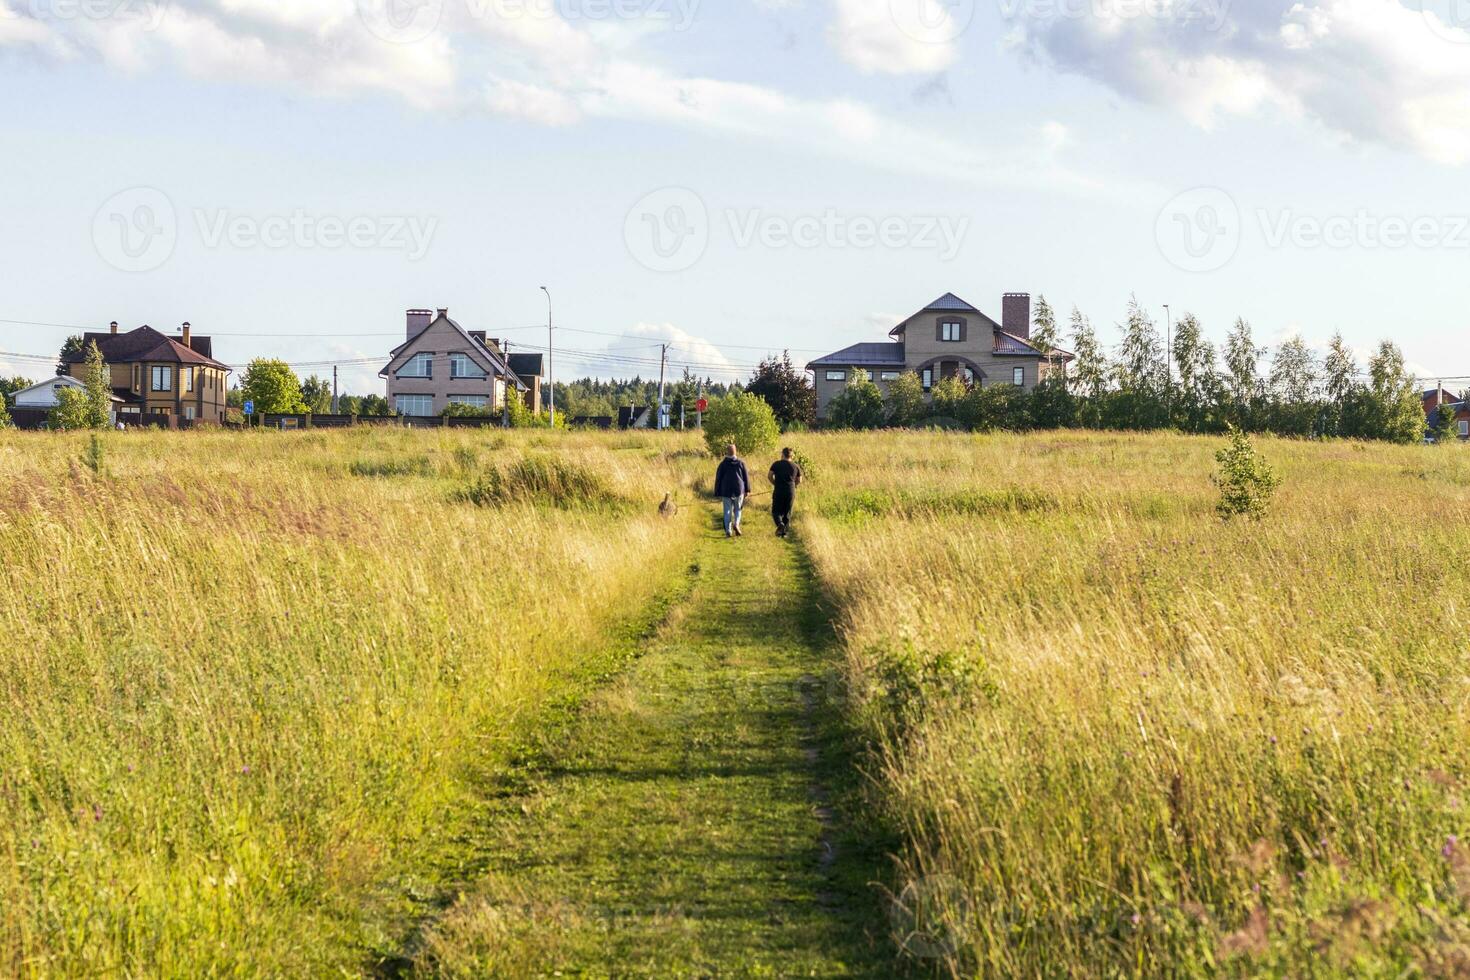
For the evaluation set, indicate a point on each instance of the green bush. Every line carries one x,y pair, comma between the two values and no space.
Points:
860,406
1246,481
742,419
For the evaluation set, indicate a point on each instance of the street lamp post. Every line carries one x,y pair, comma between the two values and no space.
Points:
1169,358
550,372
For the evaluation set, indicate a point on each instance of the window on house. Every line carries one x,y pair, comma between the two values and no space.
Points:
418,366
473,401
863,373
836,375
1018,377
189,412
951,331
415,405
889,376
1465,430
163,378
460,366
928,378
188,379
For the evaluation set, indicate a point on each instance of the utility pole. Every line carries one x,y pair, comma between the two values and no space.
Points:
550,372
334,389
507,389
662,363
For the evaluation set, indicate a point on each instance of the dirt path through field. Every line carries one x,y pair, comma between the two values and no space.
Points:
690,822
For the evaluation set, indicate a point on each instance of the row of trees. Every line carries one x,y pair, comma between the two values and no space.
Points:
1190,386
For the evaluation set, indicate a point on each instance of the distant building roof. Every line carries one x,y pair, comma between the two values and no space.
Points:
864,355
147,344
948,303
951,303
527,365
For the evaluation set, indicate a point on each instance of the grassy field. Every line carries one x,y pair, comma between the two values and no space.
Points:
392,702
1124,738
244,676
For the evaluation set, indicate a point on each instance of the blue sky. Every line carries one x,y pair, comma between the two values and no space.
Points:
732,177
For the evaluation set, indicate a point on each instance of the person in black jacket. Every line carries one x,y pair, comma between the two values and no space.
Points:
785,476
732,486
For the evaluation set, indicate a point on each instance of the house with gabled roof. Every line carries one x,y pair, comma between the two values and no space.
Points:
155,374
1438,401
443,364
948,338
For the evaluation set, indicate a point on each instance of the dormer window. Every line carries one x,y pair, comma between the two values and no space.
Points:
460,366
418,366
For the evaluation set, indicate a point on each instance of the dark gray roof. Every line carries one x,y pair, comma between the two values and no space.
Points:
1006,343
864,355
952,303
526,365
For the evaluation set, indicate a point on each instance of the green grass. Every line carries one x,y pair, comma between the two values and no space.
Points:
304,704
244,688
694,821
1125,738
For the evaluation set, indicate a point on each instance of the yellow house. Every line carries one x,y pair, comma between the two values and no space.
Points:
153,374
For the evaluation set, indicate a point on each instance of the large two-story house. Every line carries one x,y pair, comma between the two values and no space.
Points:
948,338
443,364
154,374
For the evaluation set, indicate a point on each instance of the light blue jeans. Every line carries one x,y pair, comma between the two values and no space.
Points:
733,508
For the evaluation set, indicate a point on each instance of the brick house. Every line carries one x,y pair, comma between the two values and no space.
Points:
1437,400
154,374
948,338
442,364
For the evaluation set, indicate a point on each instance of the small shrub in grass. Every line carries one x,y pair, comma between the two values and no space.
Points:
913,683
544,480
742,419
93,456
1246,481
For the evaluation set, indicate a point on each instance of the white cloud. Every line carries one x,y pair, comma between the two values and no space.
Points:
541,68
703,358
1372,70
895,37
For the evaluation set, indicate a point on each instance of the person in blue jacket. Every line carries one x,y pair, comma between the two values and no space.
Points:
732,486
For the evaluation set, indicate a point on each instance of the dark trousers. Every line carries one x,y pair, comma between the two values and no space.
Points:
781,503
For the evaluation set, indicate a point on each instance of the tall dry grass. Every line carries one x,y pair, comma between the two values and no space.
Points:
244,677
1123,738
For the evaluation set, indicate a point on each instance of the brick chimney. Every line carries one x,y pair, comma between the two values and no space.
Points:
444,311
1015,317
114,327
188,334
418,322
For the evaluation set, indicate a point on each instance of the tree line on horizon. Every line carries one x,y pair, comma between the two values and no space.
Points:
1191,387
1140,385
